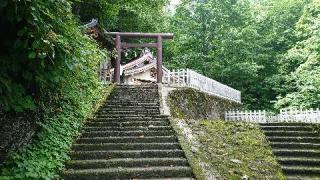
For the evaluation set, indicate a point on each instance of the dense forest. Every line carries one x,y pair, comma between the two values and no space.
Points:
267,49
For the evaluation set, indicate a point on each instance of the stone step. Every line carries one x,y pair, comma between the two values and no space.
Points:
130,109
287,161
128,173
142,102
125,100
296,153
284,124
128,123
290,133
129,115
139,104
299,170
125,146
137,86
295,145
125,133
302,177
288,128
86,155
135,94
294,139
107,107
138,128
128,139
126,119
126,162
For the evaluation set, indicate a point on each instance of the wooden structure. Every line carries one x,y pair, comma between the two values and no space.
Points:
139,71
119,46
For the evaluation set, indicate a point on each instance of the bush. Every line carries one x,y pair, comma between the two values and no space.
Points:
47,66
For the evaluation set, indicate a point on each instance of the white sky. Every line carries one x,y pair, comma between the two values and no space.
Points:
173,4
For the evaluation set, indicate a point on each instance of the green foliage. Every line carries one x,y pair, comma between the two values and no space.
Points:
45,58
45,156
244,44
303,62
47,64
123,15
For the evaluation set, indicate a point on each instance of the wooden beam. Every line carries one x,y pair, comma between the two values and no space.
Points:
134,45
141,35
118,59
159,59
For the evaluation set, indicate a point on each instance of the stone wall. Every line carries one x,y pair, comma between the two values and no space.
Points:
192,104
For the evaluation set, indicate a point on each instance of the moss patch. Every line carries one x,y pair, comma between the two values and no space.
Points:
316,128
234,149
188,103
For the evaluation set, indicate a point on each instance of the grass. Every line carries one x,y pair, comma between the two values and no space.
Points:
235,150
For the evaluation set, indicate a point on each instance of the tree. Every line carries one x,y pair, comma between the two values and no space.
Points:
303,62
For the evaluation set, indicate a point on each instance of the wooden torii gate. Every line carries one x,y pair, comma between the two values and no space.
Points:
158,45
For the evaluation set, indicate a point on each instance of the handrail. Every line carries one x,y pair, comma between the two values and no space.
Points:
190,78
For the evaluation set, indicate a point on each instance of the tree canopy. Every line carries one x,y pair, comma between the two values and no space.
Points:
267,49
262,48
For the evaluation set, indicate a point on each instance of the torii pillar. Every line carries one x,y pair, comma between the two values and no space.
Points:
159,36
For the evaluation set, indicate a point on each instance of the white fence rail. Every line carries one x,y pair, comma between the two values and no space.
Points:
286,115
190,78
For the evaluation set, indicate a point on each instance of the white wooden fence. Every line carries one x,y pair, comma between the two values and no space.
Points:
286,115
190,78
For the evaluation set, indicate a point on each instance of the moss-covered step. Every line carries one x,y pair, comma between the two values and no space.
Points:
295,145
129,139
286,124
128,173
127,123
126,133
125,146
294,139
296,152
307,170
79,155
290,133
140,128
311,161
126,162
288,128
129,118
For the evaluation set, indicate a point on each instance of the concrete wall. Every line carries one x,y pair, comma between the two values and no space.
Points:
192,104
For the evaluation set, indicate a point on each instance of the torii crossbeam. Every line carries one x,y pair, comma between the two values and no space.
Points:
158,45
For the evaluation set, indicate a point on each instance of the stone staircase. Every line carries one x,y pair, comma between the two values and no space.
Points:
296,147
128,139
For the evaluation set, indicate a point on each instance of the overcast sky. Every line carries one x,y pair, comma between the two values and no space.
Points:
173,4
